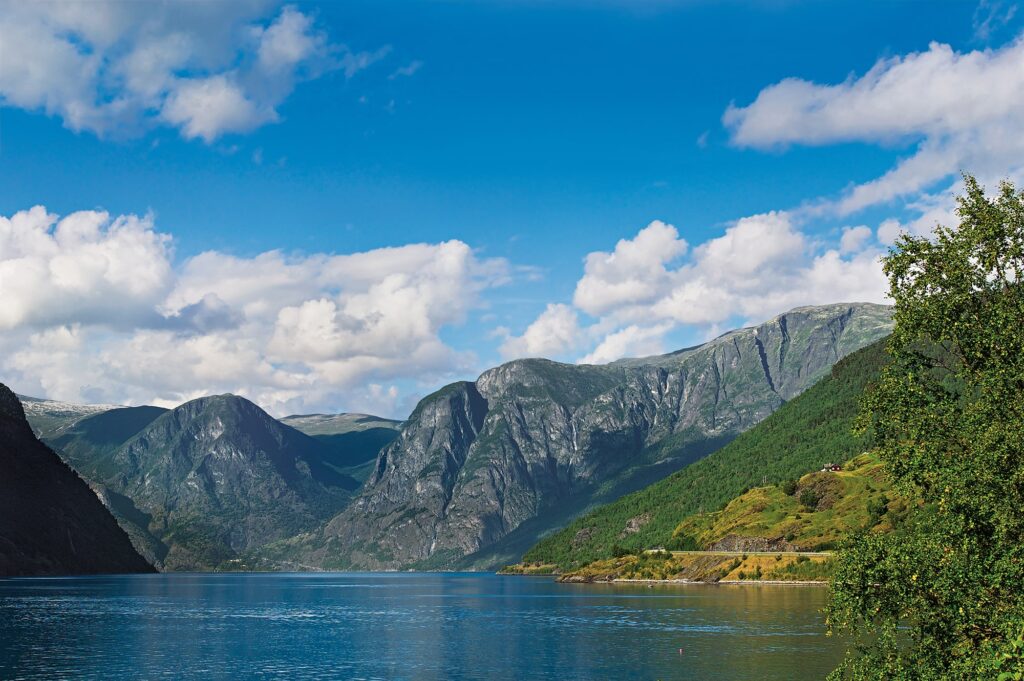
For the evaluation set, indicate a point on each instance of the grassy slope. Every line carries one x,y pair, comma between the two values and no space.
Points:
778,567
810,430
859,497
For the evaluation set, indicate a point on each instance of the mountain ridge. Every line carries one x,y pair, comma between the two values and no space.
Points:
476,460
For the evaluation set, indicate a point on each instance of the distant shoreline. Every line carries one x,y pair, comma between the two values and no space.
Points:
729,582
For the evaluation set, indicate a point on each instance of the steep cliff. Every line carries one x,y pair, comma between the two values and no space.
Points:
485,467
51,523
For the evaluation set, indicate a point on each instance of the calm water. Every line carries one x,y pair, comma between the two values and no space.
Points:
405,626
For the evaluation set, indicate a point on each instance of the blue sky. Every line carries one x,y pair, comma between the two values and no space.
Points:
533,133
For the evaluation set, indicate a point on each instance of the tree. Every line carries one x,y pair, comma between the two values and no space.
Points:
943,598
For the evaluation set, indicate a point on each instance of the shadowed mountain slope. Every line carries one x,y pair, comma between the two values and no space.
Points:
51,523
355,439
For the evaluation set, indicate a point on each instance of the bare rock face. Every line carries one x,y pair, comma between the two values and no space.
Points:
529,439
51,523
634,524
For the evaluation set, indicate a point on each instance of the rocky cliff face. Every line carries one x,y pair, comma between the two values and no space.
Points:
51,523
532,440
200,486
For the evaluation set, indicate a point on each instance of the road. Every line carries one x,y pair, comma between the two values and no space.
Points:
746,553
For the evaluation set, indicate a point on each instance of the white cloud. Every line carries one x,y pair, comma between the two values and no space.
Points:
209,107
409,69
990,16
632,341
554,332
634,272
854,238
762,265
95,309
208,69
957,110
84,268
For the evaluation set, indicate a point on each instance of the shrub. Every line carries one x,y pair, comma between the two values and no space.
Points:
809,498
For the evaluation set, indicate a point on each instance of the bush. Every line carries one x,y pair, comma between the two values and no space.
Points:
789,487
809,498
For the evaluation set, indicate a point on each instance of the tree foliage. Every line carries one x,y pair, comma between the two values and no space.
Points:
945,597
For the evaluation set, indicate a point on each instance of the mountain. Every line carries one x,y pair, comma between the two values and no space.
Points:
51,523
807,432
481,469
201,486
356,439
50,417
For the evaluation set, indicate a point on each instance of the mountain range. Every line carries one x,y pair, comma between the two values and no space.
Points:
482,469
475,476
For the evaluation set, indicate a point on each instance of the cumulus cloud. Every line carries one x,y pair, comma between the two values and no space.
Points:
554,332
632,341
84,268
208,69
761,265
633,272
96,309
956,110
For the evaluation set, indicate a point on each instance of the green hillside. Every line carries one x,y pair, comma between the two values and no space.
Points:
814,513
810,430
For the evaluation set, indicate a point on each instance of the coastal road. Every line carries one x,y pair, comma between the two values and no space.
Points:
745,553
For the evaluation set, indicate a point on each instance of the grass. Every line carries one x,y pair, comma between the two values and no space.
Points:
857,498
710,568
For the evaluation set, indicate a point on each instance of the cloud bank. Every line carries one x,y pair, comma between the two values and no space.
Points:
96,310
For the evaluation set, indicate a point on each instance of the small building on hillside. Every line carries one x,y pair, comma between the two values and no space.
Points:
831,468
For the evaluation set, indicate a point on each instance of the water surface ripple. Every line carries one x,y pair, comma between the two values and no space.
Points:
405,626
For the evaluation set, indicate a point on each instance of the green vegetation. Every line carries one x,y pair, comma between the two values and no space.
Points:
701,567
806,432
944,599
857,498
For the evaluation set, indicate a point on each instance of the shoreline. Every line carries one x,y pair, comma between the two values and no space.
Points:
726,582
